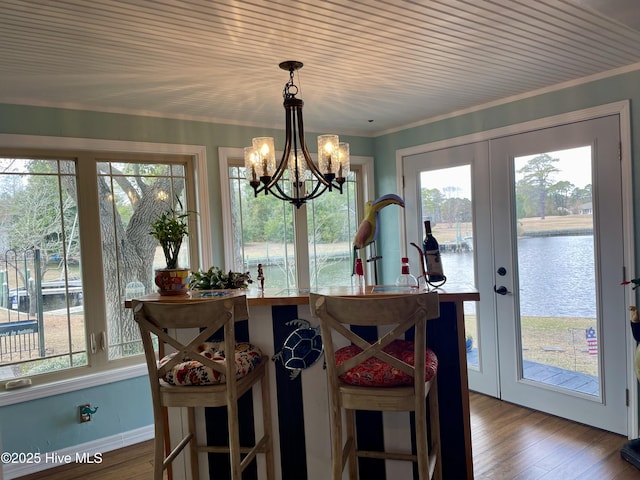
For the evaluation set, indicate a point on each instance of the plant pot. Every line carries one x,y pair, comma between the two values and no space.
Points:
172,281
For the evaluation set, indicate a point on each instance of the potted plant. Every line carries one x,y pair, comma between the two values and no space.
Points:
170,228
215,279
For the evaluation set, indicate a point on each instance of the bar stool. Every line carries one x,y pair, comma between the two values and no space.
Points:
380,376
198,374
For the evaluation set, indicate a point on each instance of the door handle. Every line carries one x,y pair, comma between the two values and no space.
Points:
501,290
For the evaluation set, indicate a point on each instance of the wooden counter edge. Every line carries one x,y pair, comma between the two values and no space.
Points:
274,298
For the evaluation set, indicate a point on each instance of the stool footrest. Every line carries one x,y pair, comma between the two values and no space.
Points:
176,451
408,457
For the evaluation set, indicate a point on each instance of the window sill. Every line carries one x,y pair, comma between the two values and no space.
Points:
69,385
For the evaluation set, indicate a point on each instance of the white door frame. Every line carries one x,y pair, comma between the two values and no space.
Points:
622,109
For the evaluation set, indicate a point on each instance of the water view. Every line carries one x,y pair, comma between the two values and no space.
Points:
559,270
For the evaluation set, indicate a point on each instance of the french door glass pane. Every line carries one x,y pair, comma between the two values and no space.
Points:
131,195
556,269
447,202
42,326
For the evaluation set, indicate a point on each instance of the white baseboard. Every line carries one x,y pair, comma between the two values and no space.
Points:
87,451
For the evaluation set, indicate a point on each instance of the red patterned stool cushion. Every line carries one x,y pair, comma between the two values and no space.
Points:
192,372
376,373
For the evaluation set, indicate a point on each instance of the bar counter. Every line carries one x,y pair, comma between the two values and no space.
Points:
300,404
279,296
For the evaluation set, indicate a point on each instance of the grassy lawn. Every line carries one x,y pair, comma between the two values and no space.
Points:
446,232
556,341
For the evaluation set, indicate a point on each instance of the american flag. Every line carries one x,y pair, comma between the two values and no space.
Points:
592,341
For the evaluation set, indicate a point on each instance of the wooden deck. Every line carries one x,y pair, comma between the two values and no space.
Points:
550,375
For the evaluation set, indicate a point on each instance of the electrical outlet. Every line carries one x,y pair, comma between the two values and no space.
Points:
85,413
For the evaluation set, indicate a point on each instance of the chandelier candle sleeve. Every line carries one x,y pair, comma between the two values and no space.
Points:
251,165
328,155
344,161
297,164
265,155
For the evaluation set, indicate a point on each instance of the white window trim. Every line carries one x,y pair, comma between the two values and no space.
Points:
80,382
198,152
227,153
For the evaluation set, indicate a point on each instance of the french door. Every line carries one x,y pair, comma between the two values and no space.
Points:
450,187
534,221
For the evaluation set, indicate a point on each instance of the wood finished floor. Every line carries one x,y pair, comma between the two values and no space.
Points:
509,443
514,443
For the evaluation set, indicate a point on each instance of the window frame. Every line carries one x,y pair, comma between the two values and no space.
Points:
230,156
87,153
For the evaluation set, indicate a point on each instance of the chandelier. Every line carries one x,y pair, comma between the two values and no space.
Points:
296,178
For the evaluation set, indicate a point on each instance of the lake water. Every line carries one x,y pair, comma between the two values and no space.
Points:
557,275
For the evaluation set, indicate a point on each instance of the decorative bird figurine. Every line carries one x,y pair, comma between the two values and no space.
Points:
635,282
368,229
635,324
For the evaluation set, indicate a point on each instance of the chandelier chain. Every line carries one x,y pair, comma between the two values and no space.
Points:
290,88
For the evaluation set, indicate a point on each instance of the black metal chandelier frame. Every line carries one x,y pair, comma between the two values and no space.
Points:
295,142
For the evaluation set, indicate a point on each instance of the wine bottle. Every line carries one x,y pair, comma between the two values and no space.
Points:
432,254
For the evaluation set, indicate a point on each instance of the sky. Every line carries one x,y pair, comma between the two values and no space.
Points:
572,165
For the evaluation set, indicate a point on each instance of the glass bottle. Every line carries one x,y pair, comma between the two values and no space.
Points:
358,277
405,279
432,253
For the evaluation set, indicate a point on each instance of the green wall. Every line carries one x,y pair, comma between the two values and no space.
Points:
50,423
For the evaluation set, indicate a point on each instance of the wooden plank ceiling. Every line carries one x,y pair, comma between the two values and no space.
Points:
390,61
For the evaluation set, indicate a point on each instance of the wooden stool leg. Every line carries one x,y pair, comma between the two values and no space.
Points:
350,420
161,439
434,416
336,443
268,426
422,445
193,445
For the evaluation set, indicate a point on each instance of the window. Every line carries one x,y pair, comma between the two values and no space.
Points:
298,248
41,327
74,242
130,196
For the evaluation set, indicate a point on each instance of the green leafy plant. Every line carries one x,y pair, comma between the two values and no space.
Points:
215,279
170,229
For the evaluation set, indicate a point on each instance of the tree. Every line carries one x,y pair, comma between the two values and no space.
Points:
456,210
560,194
538,177
37,214
128,246
432,200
